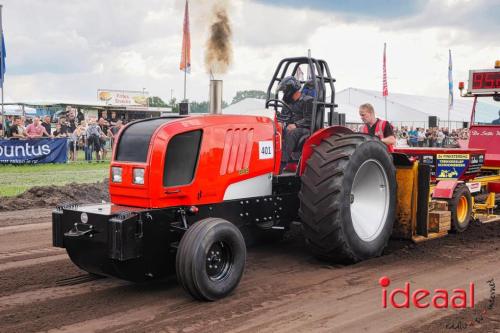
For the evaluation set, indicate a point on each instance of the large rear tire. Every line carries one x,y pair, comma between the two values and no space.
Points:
348,198
211,259
460,206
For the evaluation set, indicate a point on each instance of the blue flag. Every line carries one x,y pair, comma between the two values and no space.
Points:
450,84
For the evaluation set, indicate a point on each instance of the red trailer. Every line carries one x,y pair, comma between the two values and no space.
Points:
468,178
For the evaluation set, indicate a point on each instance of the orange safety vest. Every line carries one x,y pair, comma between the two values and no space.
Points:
379,131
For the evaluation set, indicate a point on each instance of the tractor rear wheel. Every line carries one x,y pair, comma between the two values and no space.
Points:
210,259
460,206
348,198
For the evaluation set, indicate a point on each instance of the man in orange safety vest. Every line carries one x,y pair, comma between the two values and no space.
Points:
377,127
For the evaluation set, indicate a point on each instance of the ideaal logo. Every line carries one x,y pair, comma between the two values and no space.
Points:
24,150
423,298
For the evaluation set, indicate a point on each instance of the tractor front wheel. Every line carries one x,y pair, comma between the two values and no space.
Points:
348,198
210,259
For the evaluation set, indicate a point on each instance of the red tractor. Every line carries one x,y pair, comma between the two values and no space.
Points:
188,193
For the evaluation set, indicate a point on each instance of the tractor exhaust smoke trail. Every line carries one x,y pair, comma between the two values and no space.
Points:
219,51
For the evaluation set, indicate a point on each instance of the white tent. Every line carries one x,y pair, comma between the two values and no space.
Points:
249,107
16,110
403,109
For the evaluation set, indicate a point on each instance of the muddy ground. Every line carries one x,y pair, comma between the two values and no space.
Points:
284,288
50,196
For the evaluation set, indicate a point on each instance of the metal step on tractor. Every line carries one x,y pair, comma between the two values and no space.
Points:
190,193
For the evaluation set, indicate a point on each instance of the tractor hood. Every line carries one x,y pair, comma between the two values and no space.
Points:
176,161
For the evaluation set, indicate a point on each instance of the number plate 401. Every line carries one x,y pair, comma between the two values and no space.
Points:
266,150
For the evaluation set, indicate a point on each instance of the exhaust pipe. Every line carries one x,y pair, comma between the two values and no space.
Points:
215,97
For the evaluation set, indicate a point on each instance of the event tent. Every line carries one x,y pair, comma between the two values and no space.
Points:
248,106
16,110
402,109
405,109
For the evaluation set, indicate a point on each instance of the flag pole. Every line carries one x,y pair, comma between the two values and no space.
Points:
450,87
185,71
186,45
385,102
385,91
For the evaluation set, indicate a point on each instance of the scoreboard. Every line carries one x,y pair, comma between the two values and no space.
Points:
484,81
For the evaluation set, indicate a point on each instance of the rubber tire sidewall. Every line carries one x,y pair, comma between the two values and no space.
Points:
460,191
191,259
368,150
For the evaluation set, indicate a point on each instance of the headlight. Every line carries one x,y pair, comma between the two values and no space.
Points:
116,174
138,176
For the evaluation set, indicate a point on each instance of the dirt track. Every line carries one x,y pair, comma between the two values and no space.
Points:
284,289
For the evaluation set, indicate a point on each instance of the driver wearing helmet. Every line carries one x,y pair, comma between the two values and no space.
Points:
301,107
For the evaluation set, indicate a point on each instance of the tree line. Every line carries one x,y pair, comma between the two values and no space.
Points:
202,107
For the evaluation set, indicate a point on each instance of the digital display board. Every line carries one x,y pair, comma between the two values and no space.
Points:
484,81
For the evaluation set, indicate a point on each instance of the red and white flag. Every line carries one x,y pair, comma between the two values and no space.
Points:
385,90
186,43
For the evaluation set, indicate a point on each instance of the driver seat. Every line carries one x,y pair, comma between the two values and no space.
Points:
319,115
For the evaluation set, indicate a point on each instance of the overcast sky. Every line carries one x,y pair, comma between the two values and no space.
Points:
67,49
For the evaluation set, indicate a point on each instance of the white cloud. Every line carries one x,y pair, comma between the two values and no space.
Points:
69,49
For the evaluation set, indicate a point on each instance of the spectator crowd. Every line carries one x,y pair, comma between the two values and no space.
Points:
430,137
93,136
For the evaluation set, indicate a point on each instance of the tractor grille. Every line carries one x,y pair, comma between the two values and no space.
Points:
237,150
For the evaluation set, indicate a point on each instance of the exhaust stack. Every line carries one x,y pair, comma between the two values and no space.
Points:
215,97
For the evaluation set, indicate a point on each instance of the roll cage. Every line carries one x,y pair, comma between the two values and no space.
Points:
319,74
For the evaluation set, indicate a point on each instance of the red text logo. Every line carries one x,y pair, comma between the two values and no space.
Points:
423,298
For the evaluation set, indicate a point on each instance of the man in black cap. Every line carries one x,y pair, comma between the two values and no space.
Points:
300,123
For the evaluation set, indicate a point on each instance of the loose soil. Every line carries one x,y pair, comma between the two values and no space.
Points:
51,196
284,288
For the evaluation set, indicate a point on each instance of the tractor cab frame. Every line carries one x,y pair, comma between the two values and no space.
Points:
320,84
319,77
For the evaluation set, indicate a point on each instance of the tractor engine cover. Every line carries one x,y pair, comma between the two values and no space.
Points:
195,160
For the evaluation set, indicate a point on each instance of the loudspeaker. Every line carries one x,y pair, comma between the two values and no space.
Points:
183,108
433,121
335,118
465,124
342,119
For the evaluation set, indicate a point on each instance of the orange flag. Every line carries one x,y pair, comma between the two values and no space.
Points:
186,43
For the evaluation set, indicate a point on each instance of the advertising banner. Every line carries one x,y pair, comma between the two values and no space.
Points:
33,151
451,166
123,97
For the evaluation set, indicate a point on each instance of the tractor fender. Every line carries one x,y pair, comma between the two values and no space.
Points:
444,189
316,139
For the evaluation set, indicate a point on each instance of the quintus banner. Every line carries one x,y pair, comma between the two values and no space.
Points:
33,151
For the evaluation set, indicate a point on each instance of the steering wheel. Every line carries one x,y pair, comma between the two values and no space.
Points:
286,113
